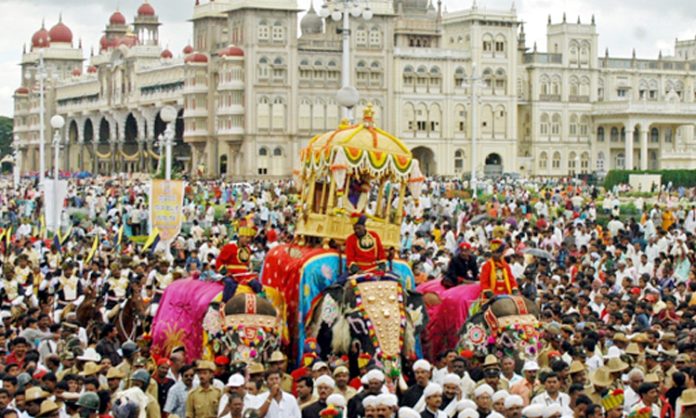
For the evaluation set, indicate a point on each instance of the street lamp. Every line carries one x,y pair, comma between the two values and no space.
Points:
168,115
41,74
17,156
347,96
57,123
473,83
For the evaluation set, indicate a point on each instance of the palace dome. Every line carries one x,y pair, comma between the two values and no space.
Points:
76,72
117,18
22,90
91,69
167,54
311,23
188,49
232,51
146,9
197,58
61,33
41,38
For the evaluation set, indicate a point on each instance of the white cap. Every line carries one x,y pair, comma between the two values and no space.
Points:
235,381
421,365
90,354
387,399
535,410
500,395
466,404
363,380
337,400
369,401
482,390
319,365
513,400
495,415
468,413
530,365
552,409
451,379
432,389
374,374
406,412
325,381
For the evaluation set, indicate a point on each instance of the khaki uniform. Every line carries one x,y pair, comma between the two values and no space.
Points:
592,393
152,389
126,369
348,394
203,403
63,373
152,410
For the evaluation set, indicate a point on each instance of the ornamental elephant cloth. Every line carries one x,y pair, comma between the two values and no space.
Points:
448,309
507,326
180,315
378,313
301,274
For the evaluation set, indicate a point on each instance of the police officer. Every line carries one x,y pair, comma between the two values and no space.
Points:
203,401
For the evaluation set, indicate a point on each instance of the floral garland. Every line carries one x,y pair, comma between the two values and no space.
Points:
380,357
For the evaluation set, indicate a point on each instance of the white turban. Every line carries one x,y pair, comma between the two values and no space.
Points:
325,381
432,389
513,400
495,415
451,379
387,399
500,395
337,400
468,413
374,374
422,365
534,410
482,390
552,409
369,401
406,412
466,404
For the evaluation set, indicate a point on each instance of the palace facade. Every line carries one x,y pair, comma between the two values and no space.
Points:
256,85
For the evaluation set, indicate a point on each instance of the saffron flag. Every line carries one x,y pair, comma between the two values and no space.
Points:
152,240
93,250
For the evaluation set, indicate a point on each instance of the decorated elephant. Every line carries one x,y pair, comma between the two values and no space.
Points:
376,312
506,326
193,316
248,330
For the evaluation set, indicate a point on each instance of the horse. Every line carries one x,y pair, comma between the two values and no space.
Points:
87,314
130,317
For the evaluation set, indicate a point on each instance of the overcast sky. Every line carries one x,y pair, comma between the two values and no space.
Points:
645,25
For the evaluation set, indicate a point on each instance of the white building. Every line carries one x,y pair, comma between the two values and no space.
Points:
253,89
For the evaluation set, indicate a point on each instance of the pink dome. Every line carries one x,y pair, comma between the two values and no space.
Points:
76,72
196,58
22,90
91,69
41,39
61,33
167,54
188,49
232,51
117,18
146,9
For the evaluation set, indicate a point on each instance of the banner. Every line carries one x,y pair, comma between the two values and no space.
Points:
166,207
55,193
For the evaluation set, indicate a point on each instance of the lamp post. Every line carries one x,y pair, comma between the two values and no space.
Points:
57,123
473,83
17,156
348,95
41,74
168,115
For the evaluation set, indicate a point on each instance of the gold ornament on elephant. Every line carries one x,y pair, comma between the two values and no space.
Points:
381,307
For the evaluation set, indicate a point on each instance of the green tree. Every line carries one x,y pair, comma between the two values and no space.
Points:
5,136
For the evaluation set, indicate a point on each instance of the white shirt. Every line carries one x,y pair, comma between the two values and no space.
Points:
249,402
562,399
286,408
631,398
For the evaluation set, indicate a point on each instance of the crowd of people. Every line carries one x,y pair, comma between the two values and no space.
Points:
617,296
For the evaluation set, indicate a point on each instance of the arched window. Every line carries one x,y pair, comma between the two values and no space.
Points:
375,37
655,135
572,162
459,161
500,122
408,76
500,45
263,113
585,162
620,161
543,160
600,162
460,118
556,124
500,80
305,114
263,69
278,114
573,125
263,31
487,77
409,119
278,152
584,126
361,35
487,43
584,87
614,134
600,134
263,152
544,128
435,118
556,86
459,77
573,52
278,31
545,84
319,117
556,161
574,87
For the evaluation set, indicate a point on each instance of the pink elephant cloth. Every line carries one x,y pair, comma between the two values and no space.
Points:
447,317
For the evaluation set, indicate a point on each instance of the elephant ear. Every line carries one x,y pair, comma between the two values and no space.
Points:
409,347
340,340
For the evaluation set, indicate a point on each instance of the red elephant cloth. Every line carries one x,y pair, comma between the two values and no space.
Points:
235,258
497,277
365,252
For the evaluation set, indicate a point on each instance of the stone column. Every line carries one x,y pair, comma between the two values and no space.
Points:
644,147
630,128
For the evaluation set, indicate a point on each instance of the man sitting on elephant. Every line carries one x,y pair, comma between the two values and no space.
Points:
364,250
496,276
